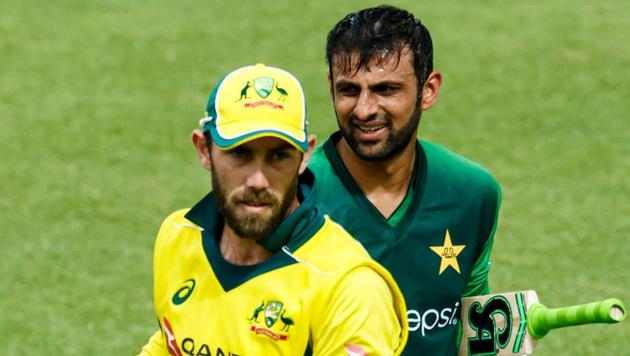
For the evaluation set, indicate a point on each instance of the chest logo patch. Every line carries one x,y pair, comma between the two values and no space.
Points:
448,254
270,311
184,292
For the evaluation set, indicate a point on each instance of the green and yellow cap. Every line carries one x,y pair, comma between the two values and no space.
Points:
253,102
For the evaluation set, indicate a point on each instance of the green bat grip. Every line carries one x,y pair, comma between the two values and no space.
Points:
541,319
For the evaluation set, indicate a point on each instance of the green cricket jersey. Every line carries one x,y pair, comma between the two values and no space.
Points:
438,250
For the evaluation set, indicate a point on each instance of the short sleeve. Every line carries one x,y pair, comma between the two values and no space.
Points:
359,318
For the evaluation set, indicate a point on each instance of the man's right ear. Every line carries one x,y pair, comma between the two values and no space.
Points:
201,146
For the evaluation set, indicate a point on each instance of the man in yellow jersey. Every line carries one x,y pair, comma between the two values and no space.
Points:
255,268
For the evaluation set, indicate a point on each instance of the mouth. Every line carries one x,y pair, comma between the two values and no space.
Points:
255,206
369,131
370,128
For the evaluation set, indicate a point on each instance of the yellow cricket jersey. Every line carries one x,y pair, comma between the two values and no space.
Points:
319,294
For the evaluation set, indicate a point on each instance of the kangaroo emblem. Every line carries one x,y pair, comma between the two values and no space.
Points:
257,311
244,91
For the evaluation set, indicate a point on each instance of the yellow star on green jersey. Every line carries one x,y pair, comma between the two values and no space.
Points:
448,253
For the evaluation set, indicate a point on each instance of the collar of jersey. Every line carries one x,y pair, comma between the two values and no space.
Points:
418,181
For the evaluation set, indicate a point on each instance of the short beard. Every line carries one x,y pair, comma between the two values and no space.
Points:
251,226
395,143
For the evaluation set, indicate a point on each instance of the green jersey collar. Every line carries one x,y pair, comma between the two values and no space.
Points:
412,199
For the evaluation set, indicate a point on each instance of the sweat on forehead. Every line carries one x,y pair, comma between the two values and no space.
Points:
353,62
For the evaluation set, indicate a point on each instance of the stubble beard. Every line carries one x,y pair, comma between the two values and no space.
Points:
250,225
394,144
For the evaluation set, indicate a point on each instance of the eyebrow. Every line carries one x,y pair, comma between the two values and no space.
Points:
392,83
283,145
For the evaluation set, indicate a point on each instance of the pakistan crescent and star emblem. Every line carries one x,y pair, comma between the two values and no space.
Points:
448,254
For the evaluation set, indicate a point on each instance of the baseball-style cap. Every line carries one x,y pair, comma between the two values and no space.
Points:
256,101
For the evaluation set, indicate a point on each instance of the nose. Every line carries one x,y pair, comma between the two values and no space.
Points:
366,106
257,179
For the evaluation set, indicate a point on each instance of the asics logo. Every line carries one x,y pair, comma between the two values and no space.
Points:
184,292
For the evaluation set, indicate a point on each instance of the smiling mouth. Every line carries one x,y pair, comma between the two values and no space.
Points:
369,127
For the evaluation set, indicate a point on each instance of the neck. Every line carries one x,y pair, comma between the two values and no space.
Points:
243,251
384,183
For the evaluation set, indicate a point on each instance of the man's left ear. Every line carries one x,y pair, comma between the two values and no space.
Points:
430,90
312,141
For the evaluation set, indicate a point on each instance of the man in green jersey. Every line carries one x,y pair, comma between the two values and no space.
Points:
427,214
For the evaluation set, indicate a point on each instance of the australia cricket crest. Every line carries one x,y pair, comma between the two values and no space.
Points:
263,86
271,311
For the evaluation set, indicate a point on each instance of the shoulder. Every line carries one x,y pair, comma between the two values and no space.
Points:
319,152
334,251
176,216
175,219
318,161
333,248
448,167
174,225
331,179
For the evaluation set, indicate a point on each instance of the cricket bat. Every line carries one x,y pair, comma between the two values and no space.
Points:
512,323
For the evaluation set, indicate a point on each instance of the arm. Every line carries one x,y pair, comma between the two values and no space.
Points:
155,346
360,317
478,281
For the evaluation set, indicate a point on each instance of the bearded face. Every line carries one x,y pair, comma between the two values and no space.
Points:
268,210
255,184
378,107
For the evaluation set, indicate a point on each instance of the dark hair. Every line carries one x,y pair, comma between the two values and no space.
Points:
373,31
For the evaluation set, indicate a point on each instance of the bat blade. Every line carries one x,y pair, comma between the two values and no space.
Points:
511,323
496,324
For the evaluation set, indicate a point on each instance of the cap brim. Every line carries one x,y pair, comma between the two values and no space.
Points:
226,143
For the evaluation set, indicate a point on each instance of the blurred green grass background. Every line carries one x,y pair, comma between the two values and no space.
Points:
98,98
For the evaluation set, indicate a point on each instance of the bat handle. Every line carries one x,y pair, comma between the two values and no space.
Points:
541,319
